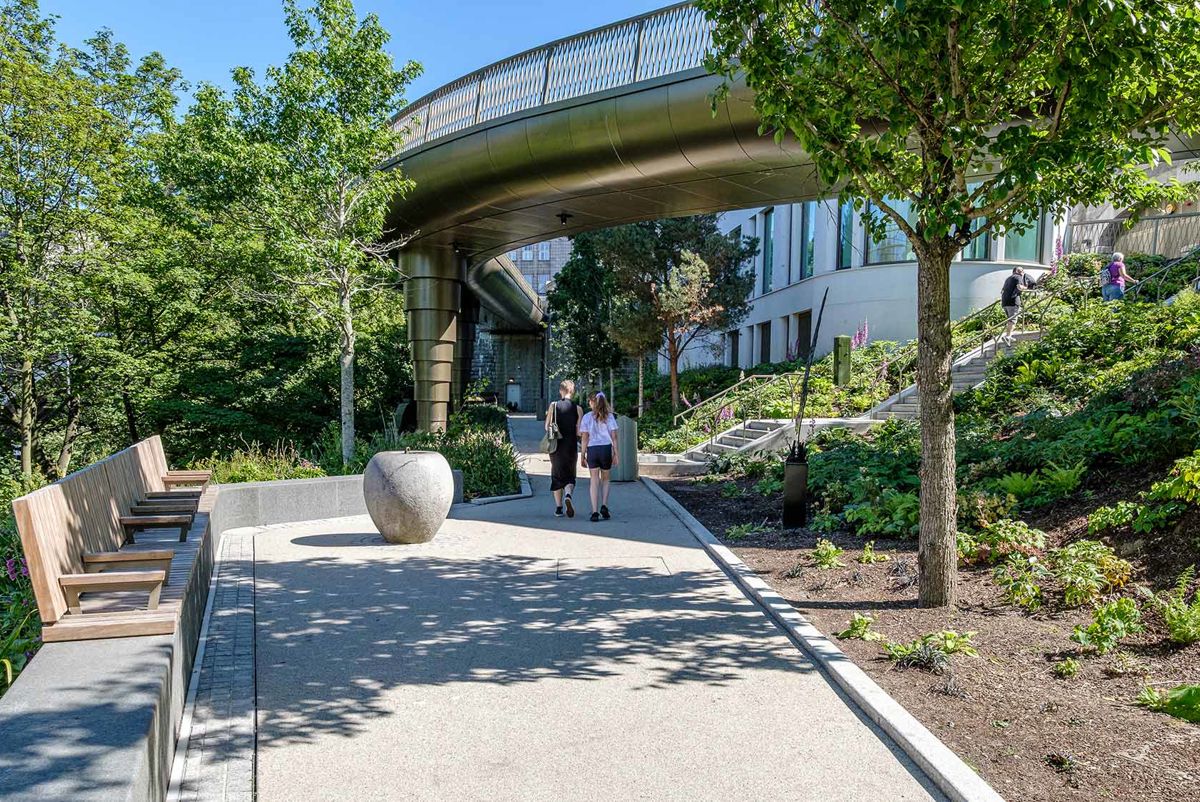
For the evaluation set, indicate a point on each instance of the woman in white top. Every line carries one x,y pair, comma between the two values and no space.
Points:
598,451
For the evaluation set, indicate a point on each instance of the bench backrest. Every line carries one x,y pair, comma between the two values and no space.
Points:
81,512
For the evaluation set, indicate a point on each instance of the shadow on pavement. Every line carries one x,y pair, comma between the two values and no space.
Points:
334,635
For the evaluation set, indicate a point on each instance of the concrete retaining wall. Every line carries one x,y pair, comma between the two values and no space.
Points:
97,720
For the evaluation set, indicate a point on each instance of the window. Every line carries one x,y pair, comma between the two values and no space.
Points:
1026,247
894,246
845,235
544,251
527,253
980,248
808,238
764,342
768,247
735,346
801,335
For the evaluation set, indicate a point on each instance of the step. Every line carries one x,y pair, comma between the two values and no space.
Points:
907,409
888,414
764,425
717,449
735,440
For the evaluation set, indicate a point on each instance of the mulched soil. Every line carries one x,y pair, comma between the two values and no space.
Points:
1031,735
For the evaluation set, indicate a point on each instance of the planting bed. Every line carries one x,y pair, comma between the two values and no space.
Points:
1032,735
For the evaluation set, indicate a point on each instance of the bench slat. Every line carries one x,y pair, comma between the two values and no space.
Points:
174,494
130,555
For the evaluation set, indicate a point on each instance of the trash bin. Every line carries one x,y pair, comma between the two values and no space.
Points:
626,468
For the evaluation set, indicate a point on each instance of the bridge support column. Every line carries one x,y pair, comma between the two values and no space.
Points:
468,324
433,296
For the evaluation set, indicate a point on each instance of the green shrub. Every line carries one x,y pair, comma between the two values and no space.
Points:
1020,578
978,509
743,531
860,629
731,490
826,523
1182,701
769,486
1021,486
20,626
932,652
826,554
1105,519
485,416
1066,668
1058,482
1086,569
1002,538
869,557
1112,622
488,461
891,513
918,654
254,463
1182,618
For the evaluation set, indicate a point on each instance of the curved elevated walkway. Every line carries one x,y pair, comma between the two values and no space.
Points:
609,126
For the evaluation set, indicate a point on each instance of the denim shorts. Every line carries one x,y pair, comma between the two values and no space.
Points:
1112,292
600,457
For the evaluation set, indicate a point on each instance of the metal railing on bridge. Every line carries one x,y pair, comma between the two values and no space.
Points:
663,42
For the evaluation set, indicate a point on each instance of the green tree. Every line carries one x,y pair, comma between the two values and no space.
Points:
675,280
581,305
302,149
955,119
69,121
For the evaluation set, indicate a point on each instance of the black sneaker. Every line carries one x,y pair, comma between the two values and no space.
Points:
570,507
604,512
595,517
558,512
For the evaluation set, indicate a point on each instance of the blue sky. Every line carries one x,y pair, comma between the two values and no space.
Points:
207,38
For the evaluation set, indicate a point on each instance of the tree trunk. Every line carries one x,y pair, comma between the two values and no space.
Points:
130,417
346,363
70,434
26,425
641,386
612,394
673,358
937,553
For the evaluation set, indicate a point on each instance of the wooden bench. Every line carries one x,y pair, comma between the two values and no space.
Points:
132,524
88,573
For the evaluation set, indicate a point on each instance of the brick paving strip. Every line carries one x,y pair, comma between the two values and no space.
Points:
218,757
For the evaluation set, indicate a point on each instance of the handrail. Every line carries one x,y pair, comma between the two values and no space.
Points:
661,42
690,411
1159,276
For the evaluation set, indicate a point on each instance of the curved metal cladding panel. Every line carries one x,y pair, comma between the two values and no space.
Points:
650,150
499,286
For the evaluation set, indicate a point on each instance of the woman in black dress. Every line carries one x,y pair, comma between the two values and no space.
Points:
565,457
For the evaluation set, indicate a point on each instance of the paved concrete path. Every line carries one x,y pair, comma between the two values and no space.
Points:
523,657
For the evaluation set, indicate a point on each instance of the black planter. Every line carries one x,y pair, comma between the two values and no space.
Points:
795,493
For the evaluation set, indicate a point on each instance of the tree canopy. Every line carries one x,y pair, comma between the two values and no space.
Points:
141,275
955,119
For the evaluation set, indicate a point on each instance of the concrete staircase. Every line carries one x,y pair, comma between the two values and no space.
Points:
967,373
744,438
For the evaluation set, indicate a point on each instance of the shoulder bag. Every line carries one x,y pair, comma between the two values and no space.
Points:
553,435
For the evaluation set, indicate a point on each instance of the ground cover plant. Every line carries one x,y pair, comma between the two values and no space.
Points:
1079,521
20,627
